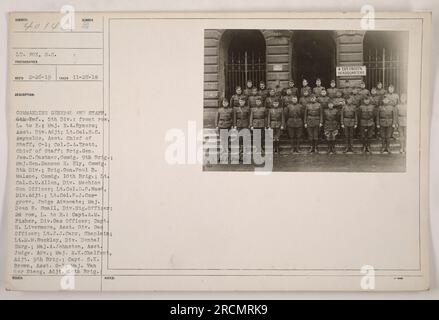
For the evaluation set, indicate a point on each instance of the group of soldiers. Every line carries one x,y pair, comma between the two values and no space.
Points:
318,112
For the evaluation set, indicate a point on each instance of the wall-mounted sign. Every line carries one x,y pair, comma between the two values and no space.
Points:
351,71
277,67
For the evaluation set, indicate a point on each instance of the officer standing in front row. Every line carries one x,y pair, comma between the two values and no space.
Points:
366,115
386,121
276,123
348,120
258,120
313,122
331,126
294,122
224,121
241,118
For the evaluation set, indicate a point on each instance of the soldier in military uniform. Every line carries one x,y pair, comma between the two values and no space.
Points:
332,90
294,121
392,96
363,91
317,90
401,116
241,120
386,121
234,100
346,90
305,87
287,98
380,90
258,119
276,122
224,121
263,91
338,100
249,87
313,122
294,90
349,120
331,126
366,115
305,98
251,99
271,97
323,99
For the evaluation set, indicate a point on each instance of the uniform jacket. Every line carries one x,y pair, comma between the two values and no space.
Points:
331,119
307,88
294,91
324,101
241,117
386,116
251,101
258,117
294,115
393,98
263,93
318,90
332,92
348,115
313,114
304,101
286,100
234,100
269,101
366,115
224,118
276,118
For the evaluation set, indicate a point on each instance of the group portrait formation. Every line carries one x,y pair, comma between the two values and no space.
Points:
316,115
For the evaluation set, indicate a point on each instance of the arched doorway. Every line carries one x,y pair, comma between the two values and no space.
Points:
242,58
313,56
385,58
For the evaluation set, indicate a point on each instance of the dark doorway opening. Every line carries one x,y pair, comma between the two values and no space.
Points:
245,58
313,56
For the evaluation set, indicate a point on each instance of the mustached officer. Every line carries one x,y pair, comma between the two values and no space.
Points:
348,120
331,126
313,122
338,100
366,114
386,121
294,112
234,100
276,122
401,116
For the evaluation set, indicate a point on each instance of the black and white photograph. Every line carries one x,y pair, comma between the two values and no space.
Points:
305,100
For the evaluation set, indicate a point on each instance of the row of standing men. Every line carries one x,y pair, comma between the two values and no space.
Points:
312,111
